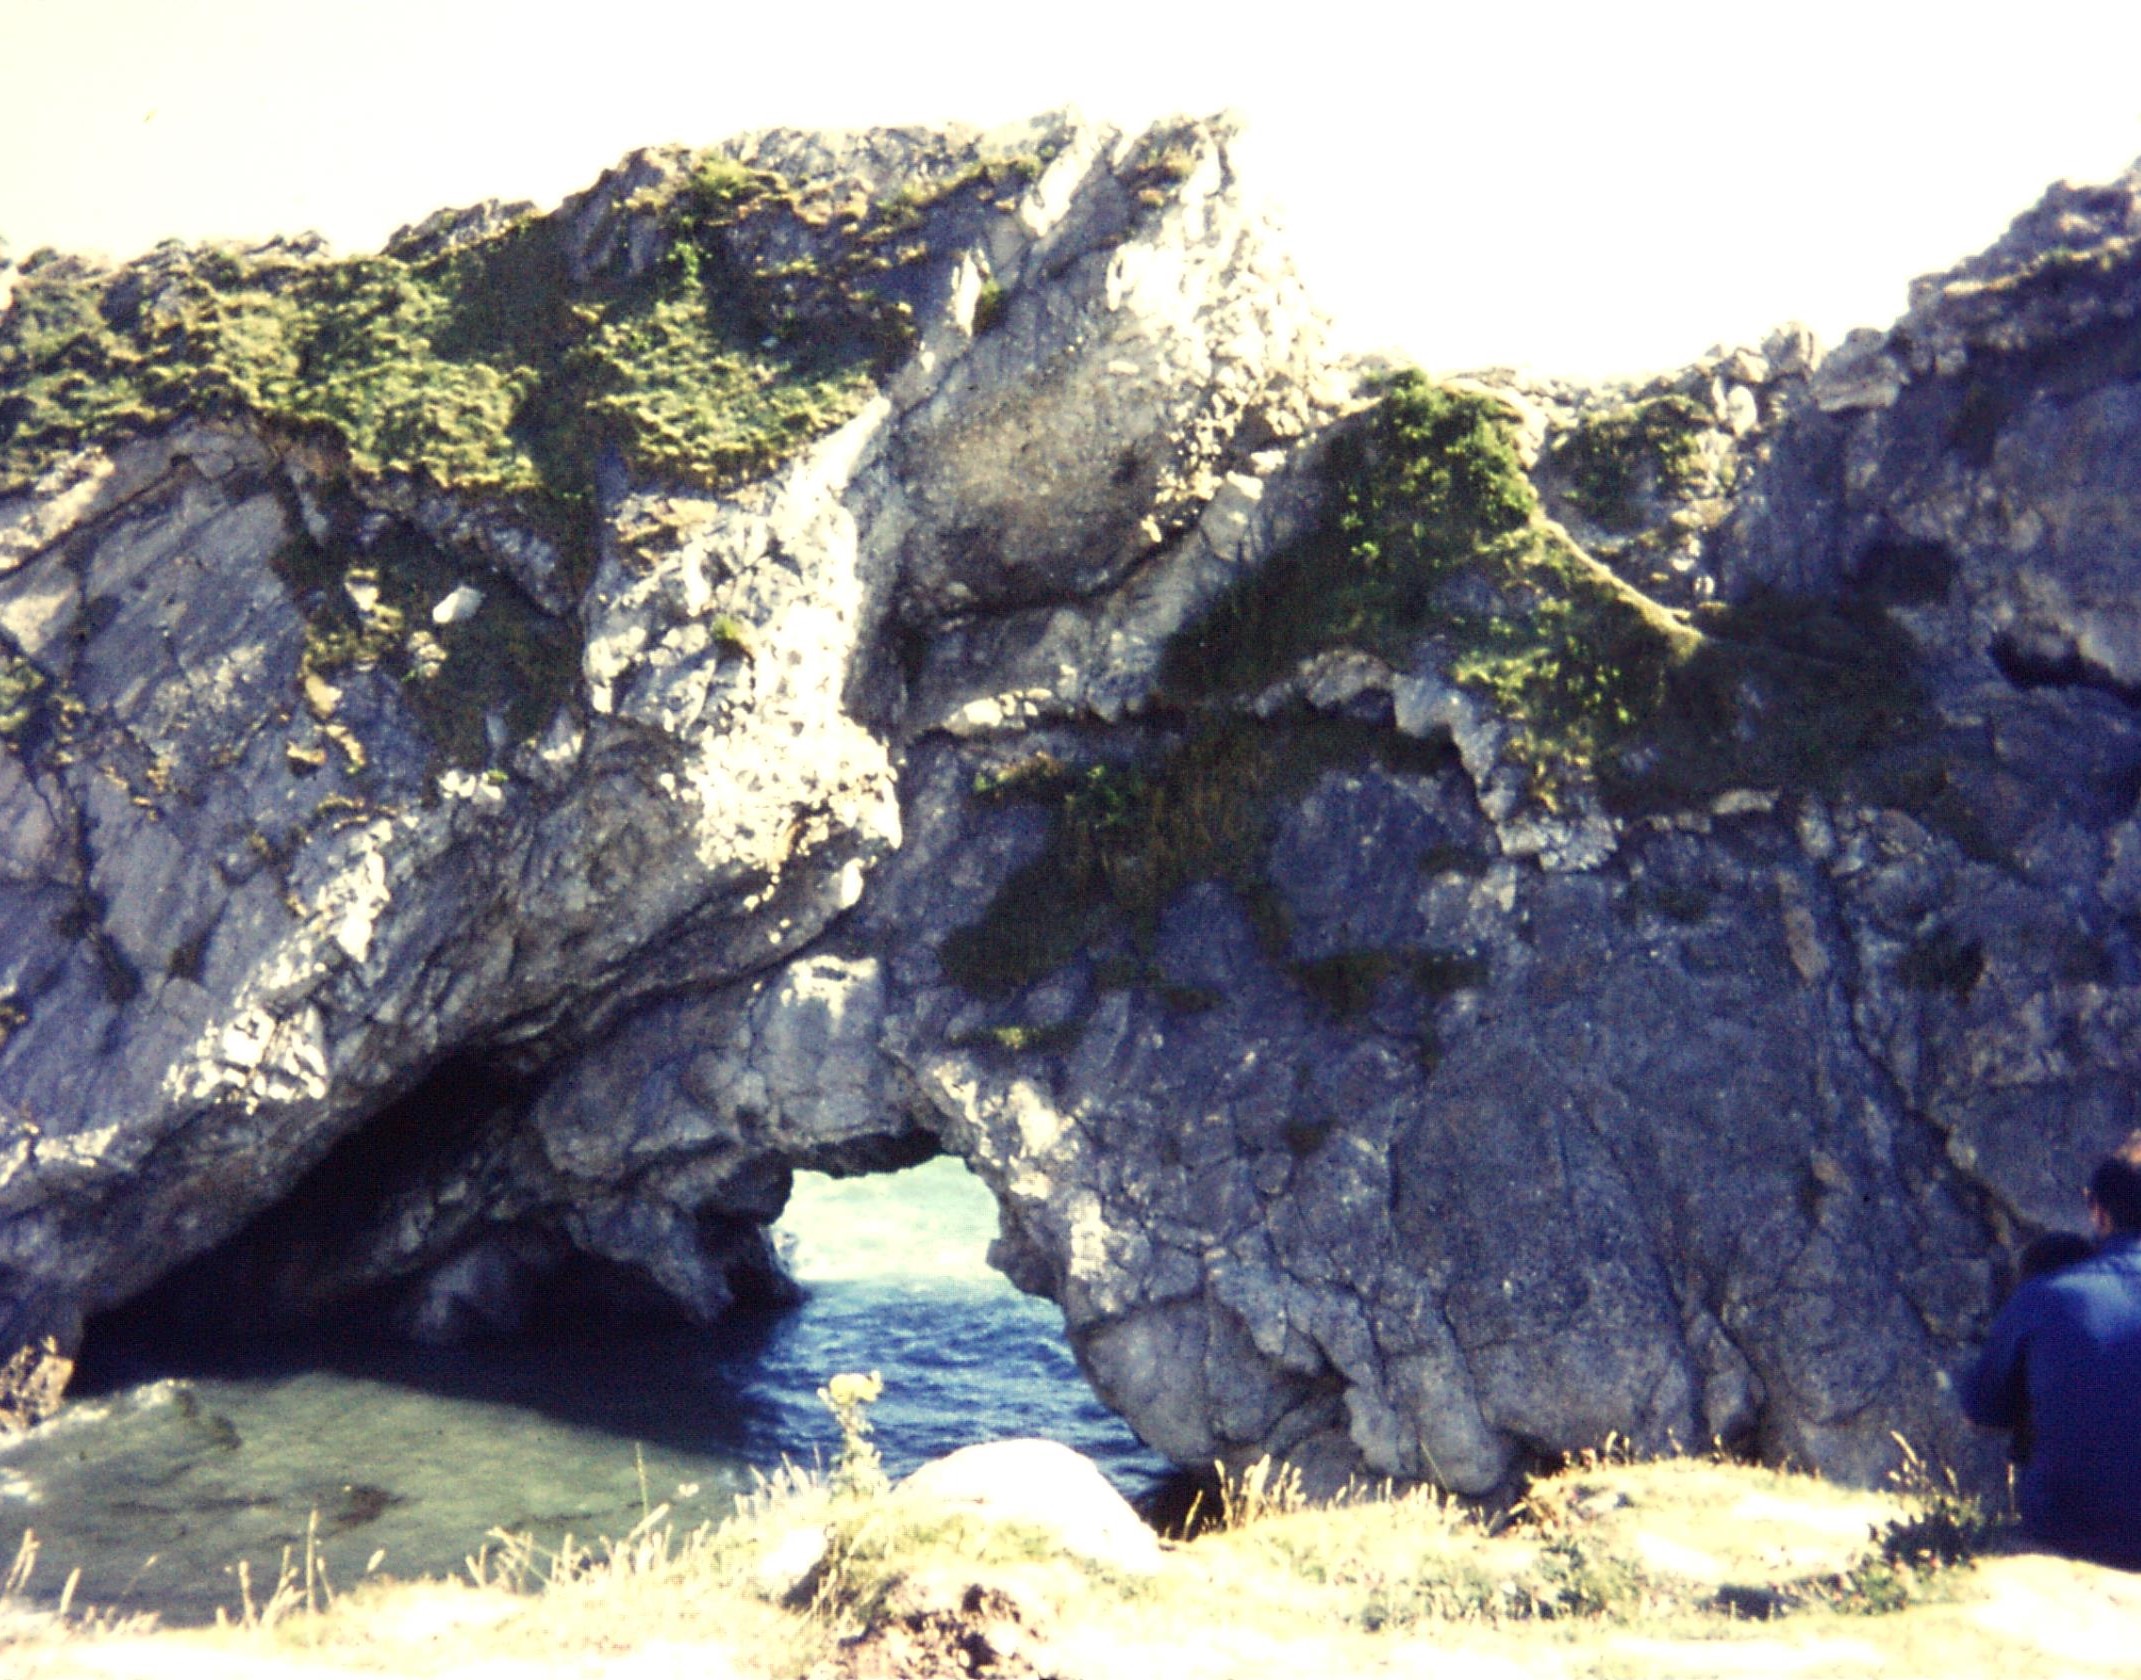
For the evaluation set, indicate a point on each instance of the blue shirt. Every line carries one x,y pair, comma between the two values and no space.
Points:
2065,1356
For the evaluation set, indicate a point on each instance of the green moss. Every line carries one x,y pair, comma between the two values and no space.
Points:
1434,529
732,636
989,305
1433,532
20,684
1428,485
1611,461
482,367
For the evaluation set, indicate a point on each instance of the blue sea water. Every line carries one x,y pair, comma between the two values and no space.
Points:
404,1458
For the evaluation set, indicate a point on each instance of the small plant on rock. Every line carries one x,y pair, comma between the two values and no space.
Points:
859,1472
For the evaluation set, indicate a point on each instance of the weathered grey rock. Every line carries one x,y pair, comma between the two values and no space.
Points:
1443,1127
243,911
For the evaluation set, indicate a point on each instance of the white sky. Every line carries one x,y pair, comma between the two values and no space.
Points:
1580,188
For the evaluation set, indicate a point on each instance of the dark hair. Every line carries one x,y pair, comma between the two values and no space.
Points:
2115,1186
2052,1252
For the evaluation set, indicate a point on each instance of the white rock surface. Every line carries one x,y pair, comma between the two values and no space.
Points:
1044,1485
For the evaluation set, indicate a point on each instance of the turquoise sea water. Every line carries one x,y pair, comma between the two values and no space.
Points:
157,1486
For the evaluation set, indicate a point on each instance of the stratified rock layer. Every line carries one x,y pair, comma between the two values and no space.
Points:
1642,983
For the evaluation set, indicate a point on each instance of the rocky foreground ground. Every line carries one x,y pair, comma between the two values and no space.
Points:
1671,1568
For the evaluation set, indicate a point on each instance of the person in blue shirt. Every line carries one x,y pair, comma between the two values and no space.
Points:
2063,1361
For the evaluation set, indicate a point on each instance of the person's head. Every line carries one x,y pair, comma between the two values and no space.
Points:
2052,1252
2115,1190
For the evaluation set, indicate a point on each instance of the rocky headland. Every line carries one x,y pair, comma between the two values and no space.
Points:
1458,920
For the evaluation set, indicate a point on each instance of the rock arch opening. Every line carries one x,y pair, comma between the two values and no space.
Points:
897,1279
277,1376
437,1245
420,1225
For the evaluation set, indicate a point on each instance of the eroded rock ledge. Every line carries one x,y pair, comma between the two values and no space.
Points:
1455,920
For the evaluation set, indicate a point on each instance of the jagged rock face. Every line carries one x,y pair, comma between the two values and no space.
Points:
1632,975
277,842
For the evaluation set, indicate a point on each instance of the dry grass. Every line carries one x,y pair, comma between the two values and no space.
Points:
1608,1568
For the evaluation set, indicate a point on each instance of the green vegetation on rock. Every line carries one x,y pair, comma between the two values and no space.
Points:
720,324
1433,538
509,660
1434,530
1611,459
479,364
20,684
1435,535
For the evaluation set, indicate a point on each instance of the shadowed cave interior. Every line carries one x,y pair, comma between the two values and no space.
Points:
294,1275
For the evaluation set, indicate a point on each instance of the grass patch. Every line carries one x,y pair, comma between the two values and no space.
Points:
1576,1550
1602,1563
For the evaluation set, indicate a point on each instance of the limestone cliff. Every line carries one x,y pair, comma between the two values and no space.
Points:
1455,920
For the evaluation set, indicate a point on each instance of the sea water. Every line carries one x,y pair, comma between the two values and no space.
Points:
405,1459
